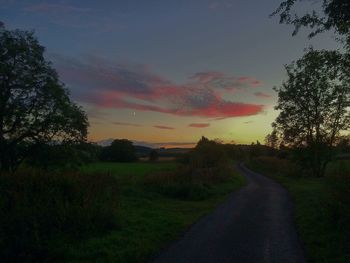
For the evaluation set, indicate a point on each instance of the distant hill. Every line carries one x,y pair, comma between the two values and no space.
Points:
142,151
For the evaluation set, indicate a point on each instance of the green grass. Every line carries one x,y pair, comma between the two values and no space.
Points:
125,169
323,224
338,168
147,220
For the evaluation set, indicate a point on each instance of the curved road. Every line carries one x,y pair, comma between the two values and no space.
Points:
254,225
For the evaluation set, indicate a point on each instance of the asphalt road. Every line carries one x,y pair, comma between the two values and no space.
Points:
254,225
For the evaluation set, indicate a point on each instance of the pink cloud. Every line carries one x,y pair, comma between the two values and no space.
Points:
199,125
163,127
106,84
262,95
223,109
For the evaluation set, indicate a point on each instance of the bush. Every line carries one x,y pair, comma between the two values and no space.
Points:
283,167
121,150
203,167
187,183
39,211
208,154
62,157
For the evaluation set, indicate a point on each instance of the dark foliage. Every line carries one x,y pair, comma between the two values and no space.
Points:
121,150
208,154
314,107
335,14
40,211
34,105
201,168
188,184
183,158
63,157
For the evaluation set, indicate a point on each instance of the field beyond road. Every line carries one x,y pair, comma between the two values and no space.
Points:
148,219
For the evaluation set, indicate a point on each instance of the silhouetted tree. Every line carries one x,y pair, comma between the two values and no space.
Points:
121,150
271,139
204,141
334,14
153,155
35,106
314,106
208,154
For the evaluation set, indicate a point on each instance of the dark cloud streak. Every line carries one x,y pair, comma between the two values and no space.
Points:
163,127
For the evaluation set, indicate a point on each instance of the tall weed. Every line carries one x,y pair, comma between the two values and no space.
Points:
38,210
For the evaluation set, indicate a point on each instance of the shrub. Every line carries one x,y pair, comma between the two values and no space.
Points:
38,211
121,150
208,154
281,166
187,183
62,157
204,166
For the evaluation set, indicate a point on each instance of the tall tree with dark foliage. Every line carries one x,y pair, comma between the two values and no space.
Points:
121,150
35,107
314,106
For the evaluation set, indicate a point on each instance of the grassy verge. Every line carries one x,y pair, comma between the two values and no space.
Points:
147,219
41,211
322,219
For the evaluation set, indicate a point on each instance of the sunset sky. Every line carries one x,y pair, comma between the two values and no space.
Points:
167,72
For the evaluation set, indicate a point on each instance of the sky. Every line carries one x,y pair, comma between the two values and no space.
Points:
166,72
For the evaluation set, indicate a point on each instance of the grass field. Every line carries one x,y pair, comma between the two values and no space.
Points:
338,168
147,220
323,224
121,170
